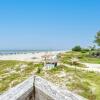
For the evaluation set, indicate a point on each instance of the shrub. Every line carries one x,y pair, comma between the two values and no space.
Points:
84,50
77,48
38,70
95,54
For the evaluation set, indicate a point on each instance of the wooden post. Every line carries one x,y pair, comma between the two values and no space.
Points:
34,88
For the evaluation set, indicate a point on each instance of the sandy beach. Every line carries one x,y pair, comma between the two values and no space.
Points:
35,57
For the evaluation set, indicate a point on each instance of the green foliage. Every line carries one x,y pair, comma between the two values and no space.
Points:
40,65
83,57
92,48
15,72
95,54
77,48
39,70
97,38
84,50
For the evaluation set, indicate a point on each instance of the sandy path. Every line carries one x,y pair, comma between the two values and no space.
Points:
90,68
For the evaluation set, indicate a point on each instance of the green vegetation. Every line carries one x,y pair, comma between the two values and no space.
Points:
97,38
83,57
83,50
84,83
14,72
77,48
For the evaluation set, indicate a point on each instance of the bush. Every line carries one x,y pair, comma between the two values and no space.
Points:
77,48
84,50
95,54
38,70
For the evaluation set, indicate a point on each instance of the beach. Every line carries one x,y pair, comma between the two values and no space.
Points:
35,57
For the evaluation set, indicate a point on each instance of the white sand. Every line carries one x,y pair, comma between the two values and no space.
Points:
35,57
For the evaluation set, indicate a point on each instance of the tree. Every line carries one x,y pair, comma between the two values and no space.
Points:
77,48
92,48
97,38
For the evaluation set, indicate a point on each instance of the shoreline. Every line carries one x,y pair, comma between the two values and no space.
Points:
35,57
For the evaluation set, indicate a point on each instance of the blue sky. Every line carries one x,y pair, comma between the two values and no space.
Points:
48,24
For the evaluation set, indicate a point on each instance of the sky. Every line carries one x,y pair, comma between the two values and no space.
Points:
48,24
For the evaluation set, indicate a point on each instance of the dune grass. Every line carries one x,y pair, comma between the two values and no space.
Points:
83,57
86,84
14,72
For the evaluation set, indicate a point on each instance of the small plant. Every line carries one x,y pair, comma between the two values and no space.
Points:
38,70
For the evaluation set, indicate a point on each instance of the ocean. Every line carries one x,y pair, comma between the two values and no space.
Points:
13,52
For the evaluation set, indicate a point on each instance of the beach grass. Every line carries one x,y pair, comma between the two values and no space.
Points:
83,57
84,83
14,72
